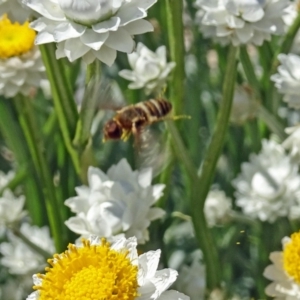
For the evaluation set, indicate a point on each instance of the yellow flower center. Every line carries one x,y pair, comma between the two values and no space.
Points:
89,273
291,257
15,39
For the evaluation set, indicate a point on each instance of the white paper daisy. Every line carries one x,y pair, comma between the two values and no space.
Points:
21,66
241,22
150,70
102,270
284,271
117,202
15,10
90,29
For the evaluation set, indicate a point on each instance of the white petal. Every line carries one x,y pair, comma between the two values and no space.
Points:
49,9
164,279
145,4
129,14
106,55
148,263
110,25
68,30
121,41
127,74
59,53
93,39
74,49
173,295
138,27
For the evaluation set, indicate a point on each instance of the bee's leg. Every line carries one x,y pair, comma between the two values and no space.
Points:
125,135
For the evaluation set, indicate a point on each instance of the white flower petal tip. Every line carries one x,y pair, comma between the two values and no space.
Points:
142,277
241,22
150,70
117,202
90,29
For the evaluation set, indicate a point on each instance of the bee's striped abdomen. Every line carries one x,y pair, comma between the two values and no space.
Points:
155,109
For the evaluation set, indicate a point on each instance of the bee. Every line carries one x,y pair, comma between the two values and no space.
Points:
133,119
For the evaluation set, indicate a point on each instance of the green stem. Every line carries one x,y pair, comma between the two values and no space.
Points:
273,124
16,142
64,104
36,147
207,172
174,10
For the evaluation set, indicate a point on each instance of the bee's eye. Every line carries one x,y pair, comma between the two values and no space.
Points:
112,130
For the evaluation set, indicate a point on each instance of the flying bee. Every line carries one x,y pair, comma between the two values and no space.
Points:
132,119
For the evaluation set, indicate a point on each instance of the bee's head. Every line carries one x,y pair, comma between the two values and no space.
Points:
112,130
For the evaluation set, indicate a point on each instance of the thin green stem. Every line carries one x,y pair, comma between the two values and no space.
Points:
36,147
174,10
63,100
271,121
207,172
13,135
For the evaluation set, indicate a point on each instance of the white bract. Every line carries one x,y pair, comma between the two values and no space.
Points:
287,80
117,202
150,70
20,74
241,21
19,258
11,208
216,208
6,178
90,29
269,185
191,280
283,286
151,284
15,10
292,142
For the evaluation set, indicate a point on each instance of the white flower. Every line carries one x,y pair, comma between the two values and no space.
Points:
11,208
191,280
20,74
18,257
15,10
90,29
269,185
241,21
216,208
6,178
114,203
150,70
284,286
244,106
110,270
287,80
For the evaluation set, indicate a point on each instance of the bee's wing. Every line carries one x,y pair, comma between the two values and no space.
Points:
151,151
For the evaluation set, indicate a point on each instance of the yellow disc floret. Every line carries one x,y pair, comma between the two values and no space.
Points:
91,272
15,39
291,257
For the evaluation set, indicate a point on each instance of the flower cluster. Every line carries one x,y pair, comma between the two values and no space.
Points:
241,22
117,202
90,29
269,185
149,70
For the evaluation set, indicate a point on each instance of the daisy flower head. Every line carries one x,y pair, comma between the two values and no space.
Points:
150,70
117,202
268,186
287,80
21,66
241,22
284,270
90,29
102,270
